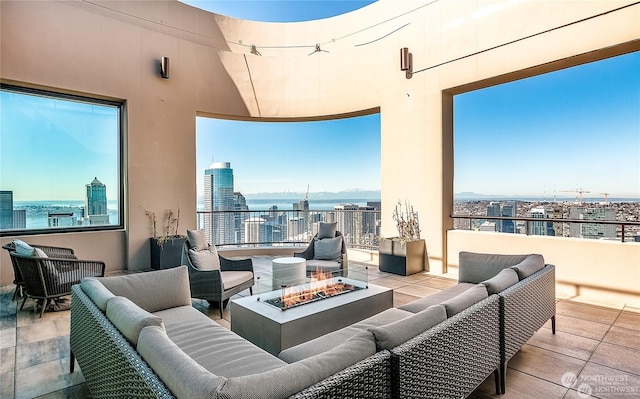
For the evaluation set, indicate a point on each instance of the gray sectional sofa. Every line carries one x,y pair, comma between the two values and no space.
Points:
139,336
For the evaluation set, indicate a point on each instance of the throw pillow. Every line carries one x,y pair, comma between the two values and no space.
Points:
391,335
129,318
327,230
197,240
501,281
527,267
205,260
40,253
468,298
328,248
22,248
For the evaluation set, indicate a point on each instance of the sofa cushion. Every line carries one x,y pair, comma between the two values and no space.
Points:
22,248
470,297
435,299
292,378
98,293
477,267
327,230
181,374
129,318
328,248
391,335
335,338
197,240
233,278
153,291
214,347
527,267
501,281
206,259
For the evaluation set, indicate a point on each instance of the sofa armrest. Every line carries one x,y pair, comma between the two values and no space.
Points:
476,267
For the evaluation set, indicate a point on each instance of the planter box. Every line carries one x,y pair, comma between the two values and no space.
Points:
168,254
402,258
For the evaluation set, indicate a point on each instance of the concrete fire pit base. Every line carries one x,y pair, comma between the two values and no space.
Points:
274,330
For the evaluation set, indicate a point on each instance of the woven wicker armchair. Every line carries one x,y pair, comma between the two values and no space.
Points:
209,284
337,267
54,252
51,277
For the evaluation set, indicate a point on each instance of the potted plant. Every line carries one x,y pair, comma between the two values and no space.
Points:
166,246
406,253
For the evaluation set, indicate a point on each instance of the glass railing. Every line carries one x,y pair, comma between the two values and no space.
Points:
360,228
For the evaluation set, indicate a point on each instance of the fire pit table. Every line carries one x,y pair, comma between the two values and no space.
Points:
261,320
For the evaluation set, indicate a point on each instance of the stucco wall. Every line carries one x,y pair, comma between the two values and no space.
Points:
111,49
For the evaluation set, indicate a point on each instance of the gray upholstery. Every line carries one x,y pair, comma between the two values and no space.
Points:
220,351
327,230
334,339
205,259
303,373
328,248
129,318
391,335
152,291
435,299
197,240
477,267
337,267
233,278
529,266
501,281
468,298
184,377
98,293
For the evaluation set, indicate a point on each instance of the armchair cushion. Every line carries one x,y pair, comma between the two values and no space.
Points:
153,291
530,265
129,318
197,240
52,272
40,253
22,248
462,301
327,230
232,279
503,280
328,248
391,335
206,259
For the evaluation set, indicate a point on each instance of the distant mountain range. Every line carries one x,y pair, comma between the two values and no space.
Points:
321,195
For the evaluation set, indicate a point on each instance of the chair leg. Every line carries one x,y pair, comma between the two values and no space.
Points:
553,324
15,293
23,301
72,360
503,377
496,375
45,305
250,290
220,307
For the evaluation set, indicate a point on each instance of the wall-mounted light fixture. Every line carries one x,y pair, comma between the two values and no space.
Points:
164,67
406,62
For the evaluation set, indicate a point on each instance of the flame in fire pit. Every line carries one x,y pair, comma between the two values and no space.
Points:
321,286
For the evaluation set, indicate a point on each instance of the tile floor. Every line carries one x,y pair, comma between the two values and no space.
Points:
595,347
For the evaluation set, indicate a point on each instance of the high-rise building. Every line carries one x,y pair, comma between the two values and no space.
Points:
509,209
218,196
541,228
241,214
493,209
96,203
349,222
19,218
590,230
6,210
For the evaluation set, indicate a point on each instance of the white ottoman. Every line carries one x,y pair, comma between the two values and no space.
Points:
288,272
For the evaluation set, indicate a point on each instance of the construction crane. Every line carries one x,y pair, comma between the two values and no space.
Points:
606,198
579,191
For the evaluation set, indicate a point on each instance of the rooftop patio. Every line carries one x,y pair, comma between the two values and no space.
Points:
600,344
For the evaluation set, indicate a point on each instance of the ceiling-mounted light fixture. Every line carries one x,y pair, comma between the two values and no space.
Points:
164,67
254,50
406,62
317,50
